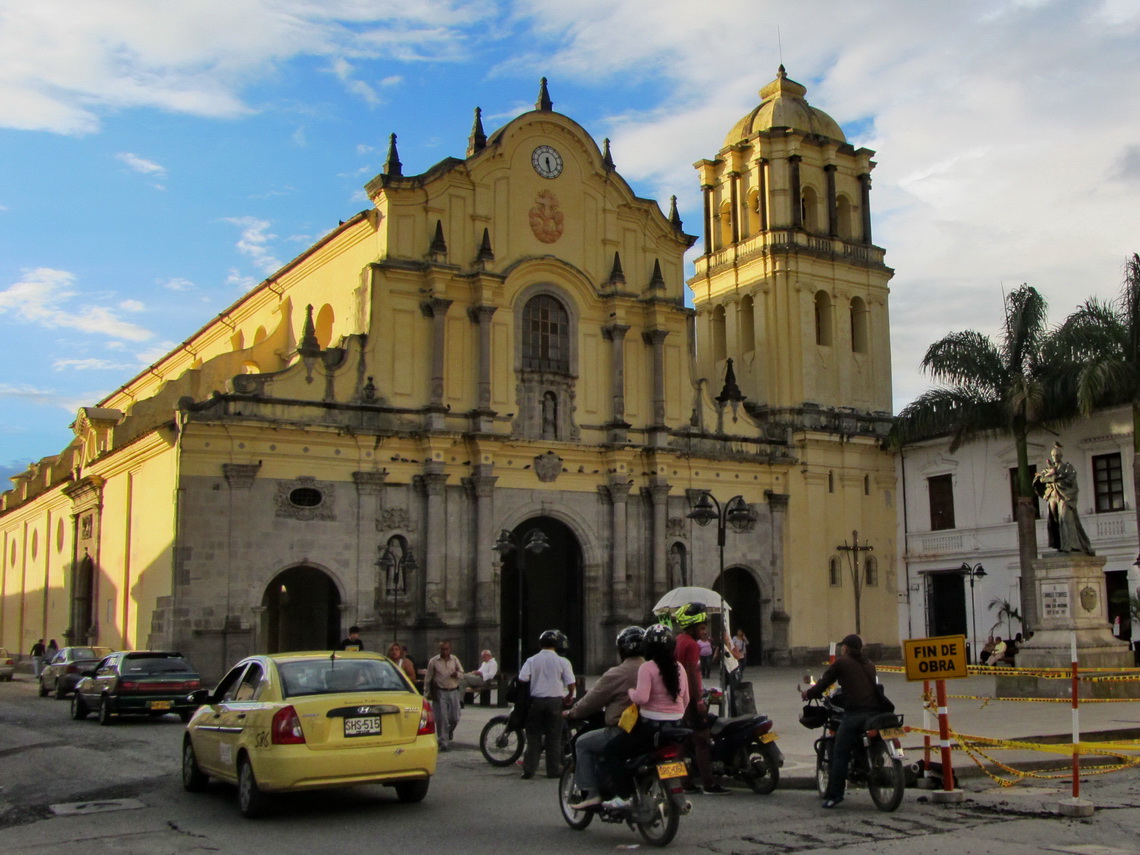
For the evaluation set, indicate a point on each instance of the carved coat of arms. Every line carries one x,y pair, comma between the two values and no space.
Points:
546,221
547,466
1088,598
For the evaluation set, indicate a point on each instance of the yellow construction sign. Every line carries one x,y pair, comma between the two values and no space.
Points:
940,658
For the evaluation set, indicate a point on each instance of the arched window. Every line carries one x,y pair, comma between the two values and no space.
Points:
823,320
747,325
871,571
678,566
858,325
545,335
810,209
843,215
754,212
834,573
830,481
719,345
725,225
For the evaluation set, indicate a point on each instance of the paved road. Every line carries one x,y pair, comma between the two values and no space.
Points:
46,759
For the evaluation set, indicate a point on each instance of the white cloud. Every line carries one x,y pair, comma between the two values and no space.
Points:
46,298
344,72
176,283
25,392
67,65
132,306
91,364
254,242
141,164
241,281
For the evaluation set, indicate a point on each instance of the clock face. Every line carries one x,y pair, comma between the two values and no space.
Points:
547,162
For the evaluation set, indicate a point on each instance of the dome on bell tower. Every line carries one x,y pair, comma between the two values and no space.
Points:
783,105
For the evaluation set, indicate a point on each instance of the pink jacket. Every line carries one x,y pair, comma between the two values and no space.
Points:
653,698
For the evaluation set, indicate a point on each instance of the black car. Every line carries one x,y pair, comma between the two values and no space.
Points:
140,682
66,669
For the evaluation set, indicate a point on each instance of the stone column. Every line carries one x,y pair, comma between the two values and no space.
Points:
781,620
762,201
483,483
615,334
656,340
832,209
706,191
369,486
481,315
865,202
436,309
619,494
659,495
431,589
794,191
734,204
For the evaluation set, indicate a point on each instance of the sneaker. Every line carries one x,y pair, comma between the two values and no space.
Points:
584,802
717,790
617,803
830,803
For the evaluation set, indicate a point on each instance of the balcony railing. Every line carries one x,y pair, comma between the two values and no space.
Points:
786,239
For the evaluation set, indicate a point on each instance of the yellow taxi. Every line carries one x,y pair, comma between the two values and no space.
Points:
301,721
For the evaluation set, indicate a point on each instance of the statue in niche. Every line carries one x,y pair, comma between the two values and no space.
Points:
1057,484
549,416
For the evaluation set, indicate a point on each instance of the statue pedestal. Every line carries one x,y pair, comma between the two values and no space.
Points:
1070,599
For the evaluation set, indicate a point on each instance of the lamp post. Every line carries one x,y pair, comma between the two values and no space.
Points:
396,570
739,514
975,572
534,542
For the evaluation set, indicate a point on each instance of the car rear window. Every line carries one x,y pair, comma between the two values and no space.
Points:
89,652
155,664
329,676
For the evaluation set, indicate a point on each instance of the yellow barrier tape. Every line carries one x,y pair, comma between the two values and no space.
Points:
1120,674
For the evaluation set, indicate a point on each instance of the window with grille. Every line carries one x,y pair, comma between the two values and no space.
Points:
1108,482
941,489
546,335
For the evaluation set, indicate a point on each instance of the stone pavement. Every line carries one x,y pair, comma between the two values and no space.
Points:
775,691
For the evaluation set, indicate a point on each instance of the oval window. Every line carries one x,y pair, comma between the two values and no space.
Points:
306,497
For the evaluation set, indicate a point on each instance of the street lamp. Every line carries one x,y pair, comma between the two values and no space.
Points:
737,513
395,570
975,572
535,542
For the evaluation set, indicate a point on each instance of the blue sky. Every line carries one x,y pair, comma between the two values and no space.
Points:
158,158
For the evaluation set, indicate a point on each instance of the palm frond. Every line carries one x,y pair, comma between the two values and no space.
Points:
965,358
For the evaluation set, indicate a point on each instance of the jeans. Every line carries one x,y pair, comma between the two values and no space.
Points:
445,707
626,746
544,724
850,730
588,757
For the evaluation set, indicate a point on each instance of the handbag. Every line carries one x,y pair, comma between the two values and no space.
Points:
628,718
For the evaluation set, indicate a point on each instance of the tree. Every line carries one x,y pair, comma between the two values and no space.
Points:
1009,388
1005,611
1103,339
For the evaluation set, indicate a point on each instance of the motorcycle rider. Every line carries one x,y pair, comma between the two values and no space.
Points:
611,693
551,681
692,620
856,677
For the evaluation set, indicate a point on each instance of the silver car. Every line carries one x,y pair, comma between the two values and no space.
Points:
66,669
7,666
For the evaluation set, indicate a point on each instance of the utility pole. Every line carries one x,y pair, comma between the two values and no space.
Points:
856,576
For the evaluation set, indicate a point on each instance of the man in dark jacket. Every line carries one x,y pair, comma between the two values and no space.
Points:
856,677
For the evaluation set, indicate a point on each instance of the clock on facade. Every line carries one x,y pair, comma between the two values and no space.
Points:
547,162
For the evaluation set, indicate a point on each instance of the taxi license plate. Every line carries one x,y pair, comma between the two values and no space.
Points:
159,705
892,733
769,737
671,770
362,726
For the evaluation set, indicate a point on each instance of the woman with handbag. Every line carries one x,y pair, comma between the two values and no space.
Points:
660,698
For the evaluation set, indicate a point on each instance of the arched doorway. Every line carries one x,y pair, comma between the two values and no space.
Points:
302,611
738,586
82,602
551,592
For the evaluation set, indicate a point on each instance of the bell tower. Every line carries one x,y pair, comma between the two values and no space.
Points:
791,286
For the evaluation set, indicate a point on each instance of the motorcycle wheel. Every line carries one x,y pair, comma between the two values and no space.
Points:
661,827
576,819
822,765
759,768
885,780
501,744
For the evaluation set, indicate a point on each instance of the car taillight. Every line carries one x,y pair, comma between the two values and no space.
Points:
128,684
427,721
287,727
192,684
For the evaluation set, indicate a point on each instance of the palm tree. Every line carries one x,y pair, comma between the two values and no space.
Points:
1104,338
1009,388
1005,611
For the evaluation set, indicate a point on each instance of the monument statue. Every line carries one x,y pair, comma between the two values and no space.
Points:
1057,483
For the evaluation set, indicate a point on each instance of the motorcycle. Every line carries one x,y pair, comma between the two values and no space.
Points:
876,758
744,747
657,803
503,738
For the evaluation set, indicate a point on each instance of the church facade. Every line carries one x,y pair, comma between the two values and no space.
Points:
481,408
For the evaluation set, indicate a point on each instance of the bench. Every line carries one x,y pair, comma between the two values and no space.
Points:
498,683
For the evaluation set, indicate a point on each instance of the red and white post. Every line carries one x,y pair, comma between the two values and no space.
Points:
1076,806
949,793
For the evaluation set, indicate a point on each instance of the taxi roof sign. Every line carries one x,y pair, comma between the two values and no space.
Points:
939,658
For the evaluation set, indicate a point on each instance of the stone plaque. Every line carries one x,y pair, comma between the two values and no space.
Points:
1055,601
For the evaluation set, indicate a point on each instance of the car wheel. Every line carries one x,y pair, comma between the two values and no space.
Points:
105,712
251,800
43,689
193,778
79,709
185,715
411,792
60,691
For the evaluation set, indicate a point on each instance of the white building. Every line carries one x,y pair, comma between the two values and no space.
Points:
958,509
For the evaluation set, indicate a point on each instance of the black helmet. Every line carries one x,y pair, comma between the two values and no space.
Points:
659,639
631,642
555,638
